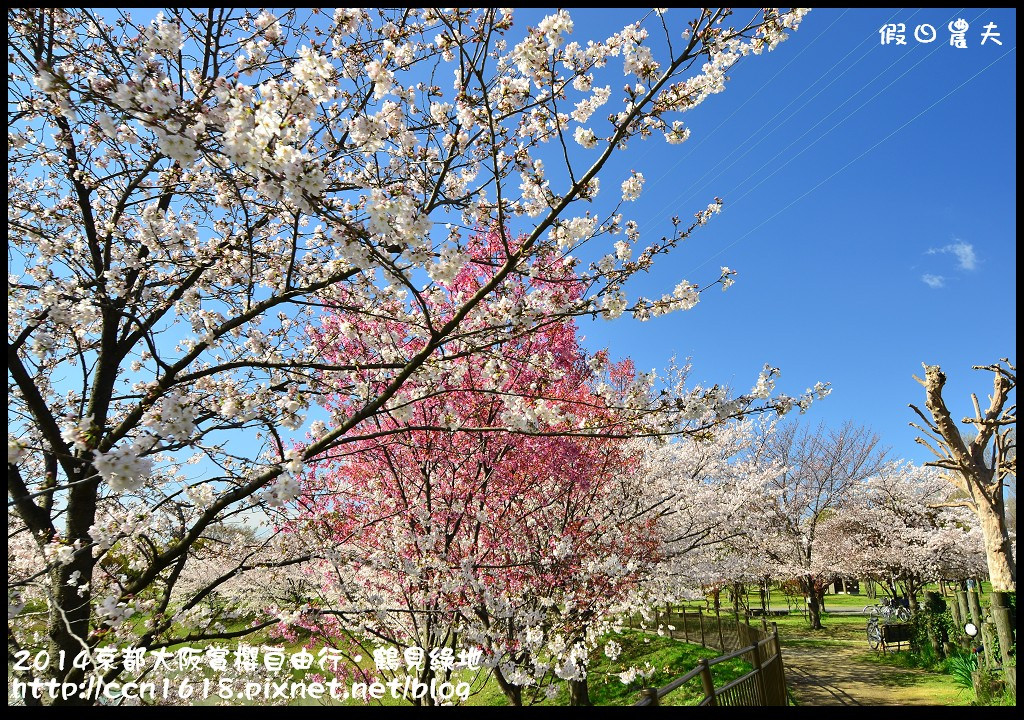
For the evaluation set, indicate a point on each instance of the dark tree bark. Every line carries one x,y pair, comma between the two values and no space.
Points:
579,693
813,608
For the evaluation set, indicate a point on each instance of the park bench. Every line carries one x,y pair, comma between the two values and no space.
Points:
896,634
758,612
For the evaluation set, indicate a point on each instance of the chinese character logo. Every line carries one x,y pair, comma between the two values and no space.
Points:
925,33
958,33
893,32
991,34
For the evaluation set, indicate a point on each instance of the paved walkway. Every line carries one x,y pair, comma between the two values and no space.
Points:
838,675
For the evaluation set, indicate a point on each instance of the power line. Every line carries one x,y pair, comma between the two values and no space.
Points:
851,162
708,177
692,147
822,136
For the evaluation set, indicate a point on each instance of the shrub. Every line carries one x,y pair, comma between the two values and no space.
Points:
962,666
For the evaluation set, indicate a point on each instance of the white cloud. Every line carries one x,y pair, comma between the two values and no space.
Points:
964,253
933,281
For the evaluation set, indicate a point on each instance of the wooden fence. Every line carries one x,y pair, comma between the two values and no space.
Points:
764,685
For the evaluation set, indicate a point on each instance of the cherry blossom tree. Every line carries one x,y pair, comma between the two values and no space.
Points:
820,470
897,529
707,491
186,194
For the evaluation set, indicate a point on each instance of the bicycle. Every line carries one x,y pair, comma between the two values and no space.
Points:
888,610
874,633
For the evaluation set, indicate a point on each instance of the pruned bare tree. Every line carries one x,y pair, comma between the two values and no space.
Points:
980,466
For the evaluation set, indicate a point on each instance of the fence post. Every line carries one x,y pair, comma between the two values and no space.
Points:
960,594
700,616
764,625
707,682
1005,625
778,659
652,695
958,622
686,633
974,602
755,660
721,640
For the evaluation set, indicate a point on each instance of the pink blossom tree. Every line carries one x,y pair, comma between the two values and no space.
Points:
448,530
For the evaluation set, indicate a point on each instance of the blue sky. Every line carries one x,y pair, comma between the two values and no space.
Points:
869,210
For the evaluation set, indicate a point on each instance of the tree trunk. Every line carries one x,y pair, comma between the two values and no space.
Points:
965,610
972,474
514,693
958,618
813,608
974,602
934,605
579,693
70,612
912,595
1002,570
814,612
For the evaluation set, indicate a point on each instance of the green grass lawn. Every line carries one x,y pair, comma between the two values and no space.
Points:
839,629
670,658
796,604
